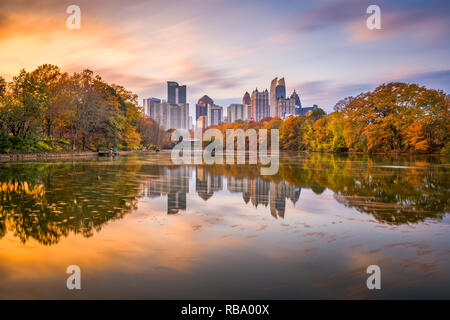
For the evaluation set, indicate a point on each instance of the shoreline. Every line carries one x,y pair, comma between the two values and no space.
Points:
57,155
89,154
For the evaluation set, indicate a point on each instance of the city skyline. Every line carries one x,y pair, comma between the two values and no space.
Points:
323,47
259,105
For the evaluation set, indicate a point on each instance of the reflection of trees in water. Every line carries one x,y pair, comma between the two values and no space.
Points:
393,189
47,202
397,195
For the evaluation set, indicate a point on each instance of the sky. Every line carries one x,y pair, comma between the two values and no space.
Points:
323,48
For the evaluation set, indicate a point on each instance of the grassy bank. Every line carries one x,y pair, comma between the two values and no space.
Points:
58,155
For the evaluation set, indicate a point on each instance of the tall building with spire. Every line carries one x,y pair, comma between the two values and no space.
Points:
296,98
246,99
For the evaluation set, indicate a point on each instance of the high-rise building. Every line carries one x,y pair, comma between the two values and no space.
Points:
280,104
149,106
296,97
202,122
285,107
170,116
201,108
179,116
213,113
246,99
277,91
259,105
175,93
237,112
173,113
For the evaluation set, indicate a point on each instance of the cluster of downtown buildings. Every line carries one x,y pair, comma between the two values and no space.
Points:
173,113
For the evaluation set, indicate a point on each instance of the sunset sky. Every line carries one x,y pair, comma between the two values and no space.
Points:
224,48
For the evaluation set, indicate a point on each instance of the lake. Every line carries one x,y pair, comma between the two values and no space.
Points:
140,227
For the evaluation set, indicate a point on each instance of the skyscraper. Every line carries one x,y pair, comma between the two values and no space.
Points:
175,93
277,91
298,103
246,99
237,112
285,107
206,108
296,97
260,105
149,106
201,107
170,116
214,114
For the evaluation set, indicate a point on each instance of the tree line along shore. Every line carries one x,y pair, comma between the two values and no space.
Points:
50,111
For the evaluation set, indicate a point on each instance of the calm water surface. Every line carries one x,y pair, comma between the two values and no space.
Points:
142,228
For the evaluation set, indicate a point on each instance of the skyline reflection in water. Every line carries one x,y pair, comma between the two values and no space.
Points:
166,231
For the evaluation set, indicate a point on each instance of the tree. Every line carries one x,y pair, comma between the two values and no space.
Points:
151,132
380,119
23,109
292,133
2,86
317,114
51,77
341,104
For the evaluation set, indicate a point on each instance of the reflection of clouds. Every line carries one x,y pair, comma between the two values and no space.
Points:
127,246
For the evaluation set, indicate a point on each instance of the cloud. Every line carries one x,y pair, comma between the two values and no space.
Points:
425,20
422,24
328,15
439,79
142,44
325,93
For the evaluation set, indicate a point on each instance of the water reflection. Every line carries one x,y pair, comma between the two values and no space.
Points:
395,190
47,201
172,182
